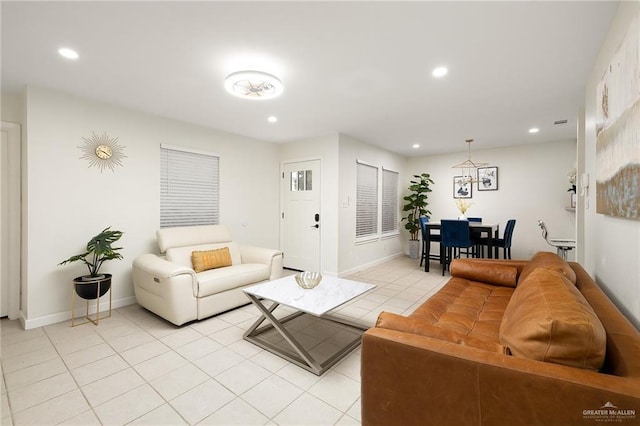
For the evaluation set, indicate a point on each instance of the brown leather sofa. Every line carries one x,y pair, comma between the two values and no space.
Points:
505,343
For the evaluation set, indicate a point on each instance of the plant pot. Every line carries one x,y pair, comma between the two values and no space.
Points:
87,287
414,249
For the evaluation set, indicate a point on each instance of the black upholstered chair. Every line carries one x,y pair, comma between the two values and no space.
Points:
455,236
426,251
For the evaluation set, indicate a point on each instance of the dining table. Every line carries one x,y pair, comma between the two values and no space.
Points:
488,229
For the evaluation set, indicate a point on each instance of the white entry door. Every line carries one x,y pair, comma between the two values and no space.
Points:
4,285
301,216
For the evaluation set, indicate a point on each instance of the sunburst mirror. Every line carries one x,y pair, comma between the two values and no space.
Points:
102,151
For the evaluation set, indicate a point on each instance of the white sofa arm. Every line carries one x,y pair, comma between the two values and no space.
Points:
165,288
161,268
271,257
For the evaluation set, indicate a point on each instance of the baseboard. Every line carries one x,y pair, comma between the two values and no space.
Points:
28,324
369,265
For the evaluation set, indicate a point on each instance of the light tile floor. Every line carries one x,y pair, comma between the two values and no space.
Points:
135,368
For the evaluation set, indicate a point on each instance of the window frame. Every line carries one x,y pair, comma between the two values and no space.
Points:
379,234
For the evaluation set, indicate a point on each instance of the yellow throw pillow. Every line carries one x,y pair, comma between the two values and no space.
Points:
210,259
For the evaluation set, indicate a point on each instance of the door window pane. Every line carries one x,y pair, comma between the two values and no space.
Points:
301,180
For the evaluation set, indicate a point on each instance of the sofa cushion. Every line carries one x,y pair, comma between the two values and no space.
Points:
182,255
548,260
210,259
548,319
484,272
417,326
467,307
222,279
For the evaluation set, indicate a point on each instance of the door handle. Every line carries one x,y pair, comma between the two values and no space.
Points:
315,226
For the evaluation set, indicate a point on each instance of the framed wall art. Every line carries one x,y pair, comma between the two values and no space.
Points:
487,178
617,137
461,187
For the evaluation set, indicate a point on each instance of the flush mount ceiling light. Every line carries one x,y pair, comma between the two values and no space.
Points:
468,168
253,85
68,53
534,130
272,119
439,72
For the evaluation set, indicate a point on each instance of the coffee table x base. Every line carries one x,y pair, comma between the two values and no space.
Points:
301,357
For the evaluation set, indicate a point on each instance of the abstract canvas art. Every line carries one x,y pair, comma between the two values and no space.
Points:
618,131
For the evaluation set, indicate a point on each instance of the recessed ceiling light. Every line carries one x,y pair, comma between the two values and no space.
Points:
534,130
253,85
68,53
272,119
416,145
439,72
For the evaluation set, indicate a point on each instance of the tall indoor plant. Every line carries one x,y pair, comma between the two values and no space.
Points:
416,206
99,249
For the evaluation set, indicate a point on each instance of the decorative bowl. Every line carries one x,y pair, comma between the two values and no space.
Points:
308,280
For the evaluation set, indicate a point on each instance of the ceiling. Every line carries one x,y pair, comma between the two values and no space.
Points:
358,68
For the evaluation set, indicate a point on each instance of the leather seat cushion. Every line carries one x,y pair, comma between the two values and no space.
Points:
548,260
415,325
467,307
222,279
548,319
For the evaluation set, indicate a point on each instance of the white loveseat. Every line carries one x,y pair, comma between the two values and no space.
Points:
169,287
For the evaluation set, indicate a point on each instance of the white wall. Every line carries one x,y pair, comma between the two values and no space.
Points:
356,256
532,185
324,148
67,203
611,245
12,107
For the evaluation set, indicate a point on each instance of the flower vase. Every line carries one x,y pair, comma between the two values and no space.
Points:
462,217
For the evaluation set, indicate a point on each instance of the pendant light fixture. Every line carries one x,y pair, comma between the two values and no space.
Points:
468,168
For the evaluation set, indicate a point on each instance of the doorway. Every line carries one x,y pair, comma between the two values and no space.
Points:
301,215
10,250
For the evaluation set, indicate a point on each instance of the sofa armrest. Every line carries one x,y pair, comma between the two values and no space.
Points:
165,288
271,257
410,379
161,268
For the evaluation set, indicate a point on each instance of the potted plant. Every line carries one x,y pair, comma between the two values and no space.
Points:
416,206
98,251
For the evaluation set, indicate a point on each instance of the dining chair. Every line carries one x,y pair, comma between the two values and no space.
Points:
455,236
476,235
562,245
426,251
505,241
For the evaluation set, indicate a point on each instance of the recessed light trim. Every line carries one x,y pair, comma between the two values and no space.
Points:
534,130
439,72
253,85
272,119
415,146
68,53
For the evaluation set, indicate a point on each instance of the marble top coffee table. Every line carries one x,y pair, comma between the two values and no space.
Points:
310,337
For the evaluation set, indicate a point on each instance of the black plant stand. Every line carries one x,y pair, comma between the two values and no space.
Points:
90,290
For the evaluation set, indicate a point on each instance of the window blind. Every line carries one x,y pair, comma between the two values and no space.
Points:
366,200
389,201
189,188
